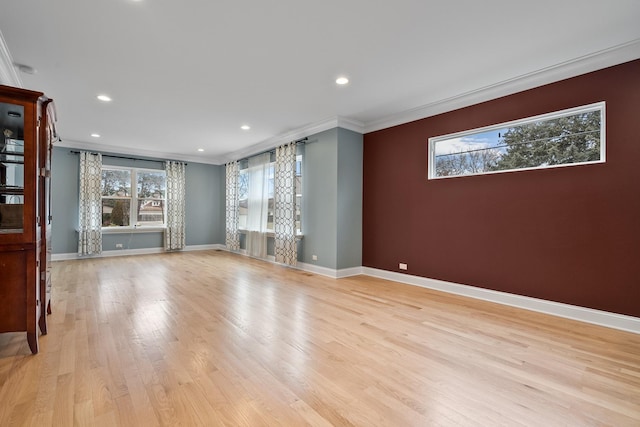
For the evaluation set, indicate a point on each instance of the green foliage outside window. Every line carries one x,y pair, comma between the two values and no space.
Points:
572,137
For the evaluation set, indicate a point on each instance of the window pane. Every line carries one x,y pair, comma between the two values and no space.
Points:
560,138
150,211
151,184
243,212
243,185
298,186
270,204
116,182
265,178
271,171
115,212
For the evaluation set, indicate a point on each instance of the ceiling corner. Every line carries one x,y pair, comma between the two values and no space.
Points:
594,61
350,124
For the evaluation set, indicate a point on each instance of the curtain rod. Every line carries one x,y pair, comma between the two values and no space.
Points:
301,141
126,158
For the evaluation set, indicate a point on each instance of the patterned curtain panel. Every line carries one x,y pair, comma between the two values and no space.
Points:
232,239
174,234
90,204
284,214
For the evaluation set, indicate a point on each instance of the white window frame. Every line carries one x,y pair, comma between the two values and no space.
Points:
298,196
134,226
598,106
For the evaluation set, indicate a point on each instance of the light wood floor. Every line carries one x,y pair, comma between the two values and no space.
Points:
212,338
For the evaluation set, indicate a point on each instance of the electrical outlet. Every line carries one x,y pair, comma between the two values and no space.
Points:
402,266
118,245
314,257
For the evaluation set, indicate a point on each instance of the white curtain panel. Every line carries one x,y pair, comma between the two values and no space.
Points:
174,234
258,205
232,239
90,204
284,221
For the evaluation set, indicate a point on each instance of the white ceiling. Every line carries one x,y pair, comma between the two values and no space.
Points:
187,74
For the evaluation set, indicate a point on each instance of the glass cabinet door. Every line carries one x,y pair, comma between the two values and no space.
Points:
11,168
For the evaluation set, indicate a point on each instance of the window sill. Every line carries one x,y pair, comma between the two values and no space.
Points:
134,229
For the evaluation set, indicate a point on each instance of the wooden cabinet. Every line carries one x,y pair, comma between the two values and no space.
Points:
27,123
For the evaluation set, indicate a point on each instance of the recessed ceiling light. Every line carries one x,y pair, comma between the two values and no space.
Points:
245,127
104,98
342,81
95,135
201,149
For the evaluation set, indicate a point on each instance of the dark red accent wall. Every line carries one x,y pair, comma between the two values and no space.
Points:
569,234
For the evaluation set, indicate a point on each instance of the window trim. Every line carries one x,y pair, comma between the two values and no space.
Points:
134,227
597,106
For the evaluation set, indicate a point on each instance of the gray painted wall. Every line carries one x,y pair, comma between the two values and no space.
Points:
319,200
349,234
331,206
64,200
332,201
204,205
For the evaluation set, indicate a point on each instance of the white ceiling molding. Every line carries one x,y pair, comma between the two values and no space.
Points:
582,65
293,135
260,147
8,74
598,60
350,124
104,148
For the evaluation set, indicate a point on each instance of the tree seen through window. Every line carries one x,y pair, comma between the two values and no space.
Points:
567,138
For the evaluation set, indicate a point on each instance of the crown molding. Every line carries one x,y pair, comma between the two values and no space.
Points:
8,74
104,148
260,147
294,135
585,64
284,138
350,124
592,62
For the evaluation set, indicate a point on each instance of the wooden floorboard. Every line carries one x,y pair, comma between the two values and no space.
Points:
217,339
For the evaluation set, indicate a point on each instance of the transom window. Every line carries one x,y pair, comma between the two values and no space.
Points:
569,137
124,204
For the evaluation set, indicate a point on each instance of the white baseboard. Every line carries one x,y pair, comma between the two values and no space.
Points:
204,247
64,257
348,272
130,252
323,271
329,272
107,254
583,314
